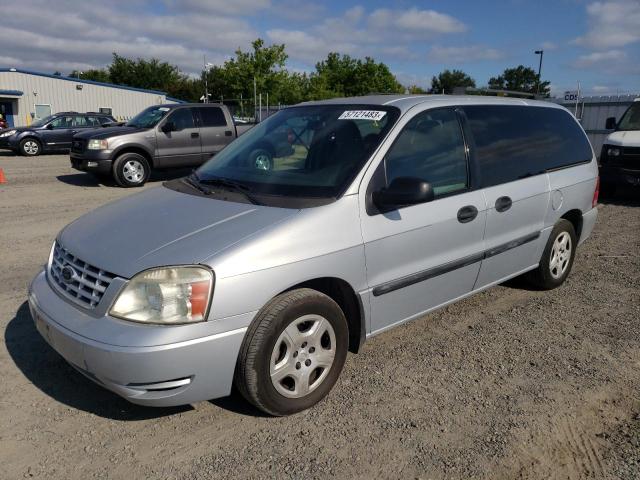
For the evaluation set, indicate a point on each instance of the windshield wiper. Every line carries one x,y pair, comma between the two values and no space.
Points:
194,181
230,184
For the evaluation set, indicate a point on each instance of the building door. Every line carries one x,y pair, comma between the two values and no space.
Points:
6,109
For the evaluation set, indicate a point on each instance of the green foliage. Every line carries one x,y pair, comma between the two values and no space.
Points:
416,90
94,75
447,80
343,76
520,79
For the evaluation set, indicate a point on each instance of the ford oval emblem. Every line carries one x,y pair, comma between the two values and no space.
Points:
68,274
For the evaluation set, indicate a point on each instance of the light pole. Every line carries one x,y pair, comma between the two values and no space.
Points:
541,53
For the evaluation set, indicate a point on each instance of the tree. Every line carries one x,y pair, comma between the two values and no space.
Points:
57,73
447,80
342,75
141,73
96,75
415,89
520,79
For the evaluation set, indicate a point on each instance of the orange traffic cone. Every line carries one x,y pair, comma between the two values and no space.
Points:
2,177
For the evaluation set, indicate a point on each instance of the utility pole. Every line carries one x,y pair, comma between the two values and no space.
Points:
255,99
204,72
541,53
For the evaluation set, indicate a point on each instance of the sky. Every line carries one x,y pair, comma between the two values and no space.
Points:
594,42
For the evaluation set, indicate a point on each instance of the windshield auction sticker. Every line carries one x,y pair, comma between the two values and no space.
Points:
373,115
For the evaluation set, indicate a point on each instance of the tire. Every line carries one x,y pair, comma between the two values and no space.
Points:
131,170
301,337
548,276
261,159
30,147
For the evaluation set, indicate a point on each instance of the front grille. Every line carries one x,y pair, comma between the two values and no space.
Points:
84,283
78,146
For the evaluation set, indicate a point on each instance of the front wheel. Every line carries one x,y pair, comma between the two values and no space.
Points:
557,257
30,147
131,170
293,352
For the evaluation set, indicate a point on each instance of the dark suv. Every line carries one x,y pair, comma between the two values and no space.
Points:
51,133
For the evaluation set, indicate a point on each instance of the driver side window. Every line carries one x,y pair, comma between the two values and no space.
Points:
61,122
431,148
182,119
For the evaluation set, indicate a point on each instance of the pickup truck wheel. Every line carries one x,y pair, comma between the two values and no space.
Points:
557,257
131,170
30,147
293,352
261,159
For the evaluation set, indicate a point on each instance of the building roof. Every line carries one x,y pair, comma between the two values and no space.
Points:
405,102
80,80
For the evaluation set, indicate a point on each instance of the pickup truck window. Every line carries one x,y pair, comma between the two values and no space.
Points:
182,119
212,117
307,151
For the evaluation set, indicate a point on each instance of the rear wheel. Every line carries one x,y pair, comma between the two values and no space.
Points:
293,353
557,257
30,147
131,170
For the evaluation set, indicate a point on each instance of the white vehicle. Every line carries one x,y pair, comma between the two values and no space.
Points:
620,156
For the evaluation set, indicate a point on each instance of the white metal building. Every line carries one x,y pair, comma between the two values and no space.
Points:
26,95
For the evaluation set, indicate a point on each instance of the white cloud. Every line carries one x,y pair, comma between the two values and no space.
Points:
224,7
464,54
548,46
612,24
600,59
415,21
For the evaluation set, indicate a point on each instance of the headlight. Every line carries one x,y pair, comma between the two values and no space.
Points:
613,152
171,295
8,134
98,145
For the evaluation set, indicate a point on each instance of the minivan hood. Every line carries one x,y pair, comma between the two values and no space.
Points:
628,138
108,132
163,227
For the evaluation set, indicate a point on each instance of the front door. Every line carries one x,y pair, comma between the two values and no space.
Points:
6,110
59,132
422,256
180,147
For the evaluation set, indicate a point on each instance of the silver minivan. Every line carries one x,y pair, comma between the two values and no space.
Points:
383,208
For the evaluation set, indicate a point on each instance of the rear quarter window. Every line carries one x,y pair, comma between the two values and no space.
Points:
513,142
212,117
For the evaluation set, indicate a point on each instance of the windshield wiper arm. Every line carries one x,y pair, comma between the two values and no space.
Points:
232,185
194,181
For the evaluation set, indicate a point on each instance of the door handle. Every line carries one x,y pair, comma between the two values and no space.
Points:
503,204
228,133
195,134
466,214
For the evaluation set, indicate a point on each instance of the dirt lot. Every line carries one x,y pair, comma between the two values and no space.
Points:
511,383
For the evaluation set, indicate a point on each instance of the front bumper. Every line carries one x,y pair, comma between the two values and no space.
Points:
98,161
619,175
5,143
158,375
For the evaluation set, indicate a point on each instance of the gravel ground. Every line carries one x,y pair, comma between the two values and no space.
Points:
510,383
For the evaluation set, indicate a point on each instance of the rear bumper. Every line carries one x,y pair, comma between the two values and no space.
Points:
160,375
619,175
98,161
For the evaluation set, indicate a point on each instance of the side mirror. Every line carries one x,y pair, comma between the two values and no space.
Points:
50,126
611,123
403,191
169,127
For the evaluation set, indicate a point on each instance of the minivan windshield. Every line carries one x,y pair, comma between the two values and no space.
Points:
631,118
148,118
310,151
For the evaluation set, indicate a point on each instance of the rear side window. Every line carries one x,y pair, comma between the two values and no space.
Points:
513,142
212,117
430,147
